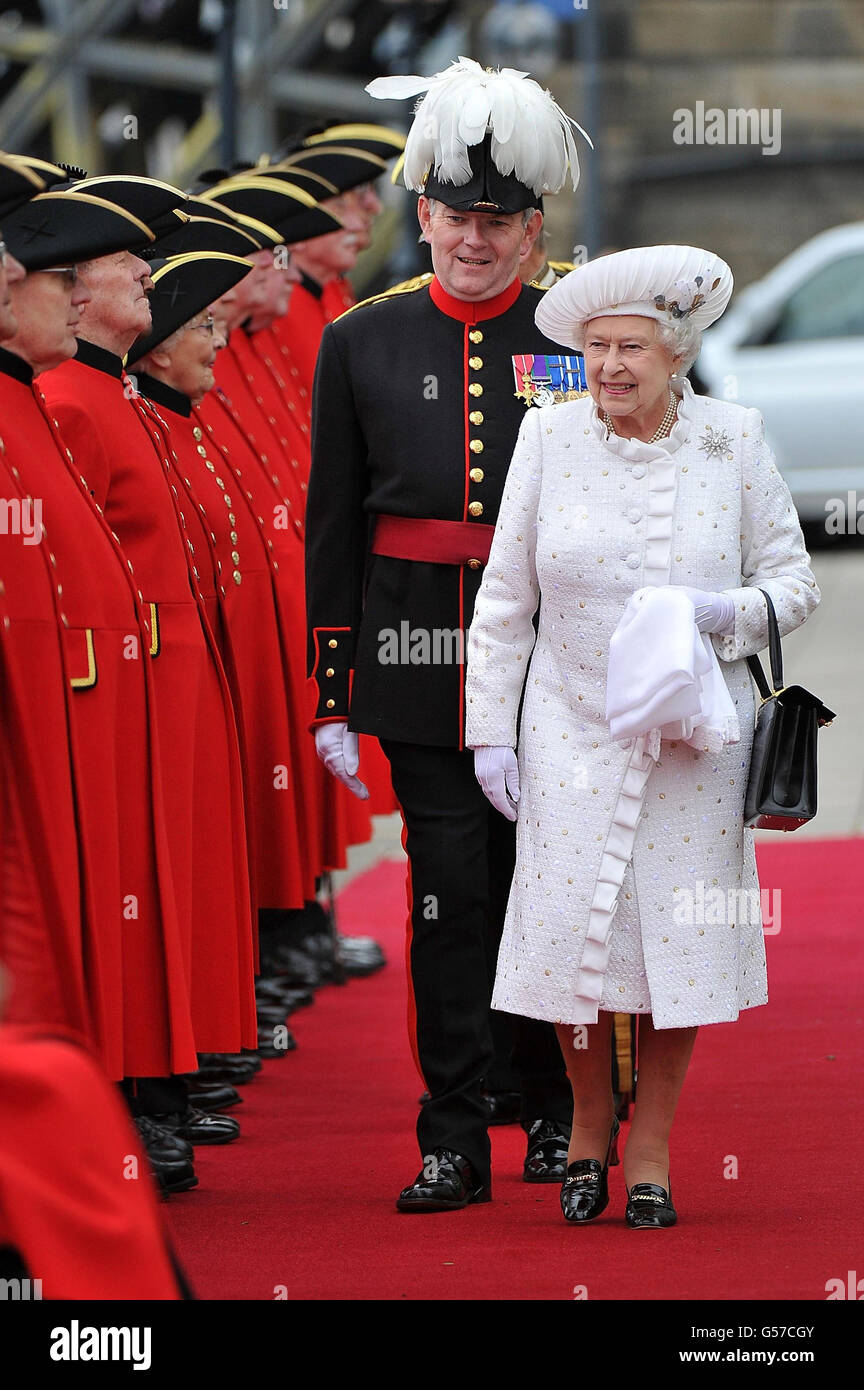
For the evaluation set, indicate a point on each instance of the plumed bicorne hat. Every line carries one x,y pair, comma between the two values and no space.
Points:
183,287
60,228
278,202
671,284
483,140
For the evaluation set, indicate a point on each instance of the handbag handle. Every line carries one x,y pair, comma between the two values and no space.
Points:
775,654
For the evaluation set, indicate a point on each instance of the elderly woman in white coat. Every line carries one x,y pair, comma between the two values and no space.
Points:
639,486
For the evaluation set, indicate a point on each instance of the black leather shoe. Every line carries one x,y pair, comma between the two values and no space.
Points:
505,1107
585,1191
159,1142
179,1176
198,1127
237,1069
649,1207
455,1185
546,1157
214,1096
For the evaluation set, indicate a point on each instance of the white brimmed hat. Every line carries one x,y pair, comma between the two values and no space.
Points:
668,283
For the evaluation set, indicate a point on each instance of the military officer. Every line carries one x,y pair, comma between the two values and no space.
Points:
419,395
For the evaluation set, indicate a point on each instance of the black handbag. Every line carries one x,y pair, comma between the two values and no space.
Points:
781,791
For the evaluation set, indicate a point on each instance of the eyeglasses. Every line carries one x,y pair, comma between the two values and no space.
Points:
70,271
209,325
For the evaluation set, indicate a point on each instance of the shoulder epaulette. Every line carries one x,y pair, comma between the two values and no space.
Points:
561,267
417,282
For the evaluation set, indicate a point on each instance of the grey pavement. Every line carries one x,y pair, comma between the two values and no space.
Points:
826,655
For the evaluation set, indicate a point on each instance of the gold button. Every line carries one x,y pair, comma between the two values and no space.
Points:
226,498
476,417
333,642
220,482
234,538
475,389
238,578
331,704
476,475
235,557
474,564
330,671
232,518
197,433
202,451
475,335
476,446
210,466
476,509
475,363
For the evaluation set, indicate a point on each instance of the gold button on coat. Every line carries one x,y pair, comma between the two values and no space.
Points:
475,335
474,564
476,446
331,704
476,475
330,671
475,389
332,642
476,417
476,509
475,363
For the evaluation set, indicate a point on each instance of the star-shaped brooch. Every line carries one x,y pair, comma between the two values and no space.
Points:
715,443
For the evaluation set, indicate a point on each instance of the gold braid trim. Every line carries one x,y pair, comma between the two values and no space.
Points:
417,282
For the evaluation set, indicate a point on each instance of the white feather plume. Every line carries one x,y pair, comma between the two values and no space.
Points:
531,136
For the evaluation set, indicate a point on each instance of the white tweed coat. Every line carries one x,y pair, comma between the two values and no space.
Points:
618,855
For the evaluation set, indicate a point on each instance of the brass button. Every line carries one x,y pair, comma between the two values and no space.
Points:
210,466
197,433
330,671
476,446
475,363
333,642
226,498
220,482
475,335
235,556
238,578
331,704
476,417
476,475
475,389
202,451
474,564
234,538
476,509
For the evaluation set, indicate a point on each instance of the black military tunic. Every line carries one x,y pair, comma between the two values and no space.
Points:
416,414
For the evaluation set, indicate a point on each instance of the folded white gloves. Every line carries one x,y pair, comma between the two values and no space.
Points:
714,612
339,751
497,772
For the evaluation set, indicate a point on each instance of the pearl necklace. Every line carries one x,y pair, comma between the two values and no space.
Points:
662,429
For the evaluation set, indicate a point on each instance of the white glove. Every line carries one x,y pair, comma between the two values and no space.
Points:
339,751
714,612
497,772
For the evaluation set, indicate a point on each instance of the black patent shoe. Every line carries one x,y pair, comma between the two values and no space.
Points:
450,1185
505,1107
649,1207
201,1126
546,1158
585,1190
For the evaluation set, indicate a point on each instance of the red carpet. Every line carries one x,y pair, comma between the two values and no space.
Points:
302,1204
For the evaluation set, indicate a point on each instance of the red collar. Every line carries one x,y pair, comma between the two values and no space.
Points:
474,311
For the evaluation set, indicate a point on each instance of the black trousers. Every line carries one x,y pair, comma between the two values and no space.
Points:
461,853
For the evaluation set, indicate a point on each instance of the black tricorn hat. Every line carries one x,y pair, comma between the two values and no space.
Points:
57,229
160,205
211,234
344,166
487,190
183,287
314,184
18,184
367,137
199,205
50,174
278,202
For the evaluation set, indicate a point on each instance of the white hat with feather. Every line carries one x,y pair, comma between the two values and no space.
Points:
484,140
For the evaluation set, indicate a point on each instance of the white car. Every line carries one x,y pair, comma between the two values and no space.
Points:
792,344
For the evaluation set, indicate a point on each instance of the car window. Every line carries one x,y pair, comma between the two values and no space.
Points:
829,305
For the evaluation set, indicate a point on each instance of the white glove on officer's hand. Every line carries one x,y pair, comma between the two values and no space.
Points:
714,612
339,751
497,772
